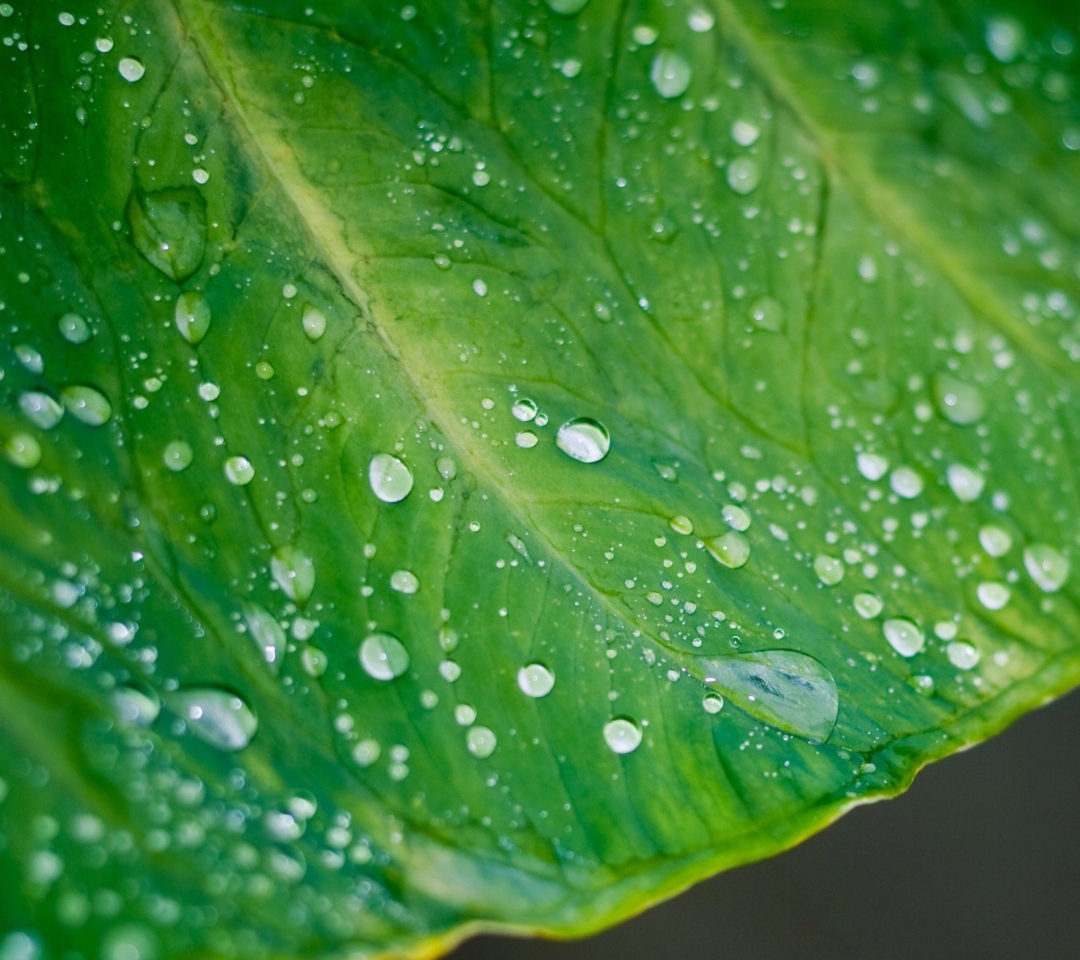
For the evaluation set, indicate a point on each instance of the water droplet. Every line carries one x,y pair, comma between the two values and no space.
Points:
192,316
713,703
366,752
23,451
136,707
383,657
177,456
905,483
465,715
867,605
446,467
681,524
788,690
449,670
74,328
670,74
40,409
526,439
31,359
992,594
266,632
221,718
1004,38
830,571
568,8
622,735
965,482
131,69
962,654
314,323
735,517
584,439
767,314
168,227
404,581
905,637
239,471
644,35
1046,566
535,680
448,639
995,541
314,661
701,20
88,405
732,549
743,175
524,410
745,133
390,479
293,571
873,466
481,742
959,402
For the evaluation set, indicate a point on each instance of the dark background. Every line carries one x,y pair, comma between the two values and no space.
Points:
979,859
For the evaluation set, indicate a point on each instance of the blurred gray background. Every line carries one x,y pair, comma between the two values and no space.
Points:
980,859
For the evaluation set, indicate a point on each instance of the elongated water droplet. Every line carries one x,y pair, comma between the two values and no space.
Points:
42,410
959,402
266,632
830,571
23,451
682,524
239,471
1046,566
314,661
732,549
481,742
294,572
535,680
622,735
743,175
177,456
786,689
74,328
995,541
192,316
221,718
905,637
314,323
584,439
965,482
383,657
670,74
391,481
88,405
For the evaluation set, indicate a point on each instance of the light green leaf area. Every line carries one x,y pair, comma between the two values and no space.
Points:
489,465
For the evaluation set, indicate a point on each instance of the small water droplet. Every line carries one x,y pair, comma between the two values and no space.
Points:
74,328
383,657
293,571
584,439
404,581
965,482
391,481
221,718
314,661
872,466
465,715
993,595
524,410
905,637
994,540
830,571
743,175
670,74
962,655
535,680
192,316
622,735
366,752
867,605
732,549
526,439
23,451
905,483
959,402
713,703
481,742
239,471
1046,566
314,323
767,314
745,133
87,405
177,456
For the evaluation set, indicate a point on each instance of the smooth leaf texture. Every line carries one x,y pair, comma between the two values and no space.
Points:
490,464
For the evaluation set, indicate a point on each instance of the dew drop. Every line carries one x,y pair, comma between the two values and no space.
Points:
446,467
192,316
745,133
873,466
314,661
993,595
1046,566
23,450
867,605
743,175
383,657
584,439
266,632
74,328
713,703
622,735
526,439
735,517
221,718
731,549
481,742
131,69
177,456
404,581
962,655
87,405
829,570
524,410
670,74
535,680
568,8
965,482
391,481
40,409
681,524
905,637
767,314
905,483
135,707
314,323
994,540
959,402
239,471
293,571
701,20
366,752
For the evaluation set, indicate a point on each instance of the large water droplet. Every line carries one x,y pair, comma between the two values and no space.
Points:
266,632
314,323
959,402
390,479
177,456
535,680
786,689
221,718
481,741
1046,566
622,735
383,657
192,316
131,69
584,439
743,175
670,74
294,572
42,410
732,549
74,328
88,405
905,637
168,227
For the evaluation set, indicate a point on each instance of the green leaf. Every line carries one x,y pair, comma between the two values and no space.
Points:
489,465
